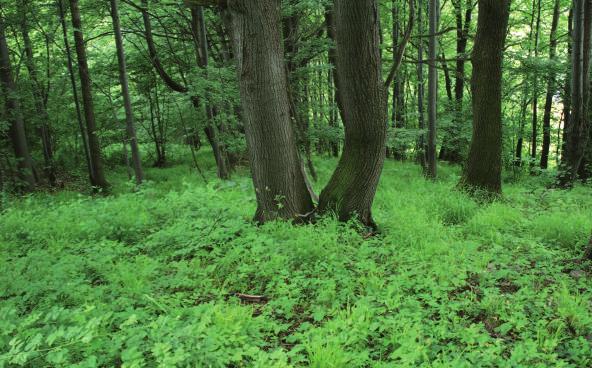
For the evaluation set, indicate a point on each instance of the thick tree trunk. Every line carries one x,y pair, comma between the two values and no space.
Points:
551,89
484,166
432,168
97,177
352,187
578,129
127,103
40,106
278,178
15,117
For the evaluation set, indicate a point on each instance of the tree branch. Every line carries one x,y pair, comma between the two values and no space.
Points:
401,49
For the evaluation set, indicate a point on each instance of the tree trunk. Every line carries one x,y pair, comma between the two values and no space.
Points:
97,176
40,106
352,187
15,117
127,103
421,151
551,89
432,169
455,142
484,166
535,95
70,66
576,136
278,178
211,130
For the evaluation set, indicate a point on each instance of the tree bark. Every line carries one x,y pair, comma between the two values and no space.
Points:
578,129
432,168
127,103
551,89
350,191
17,133
278,178
97,176
484,167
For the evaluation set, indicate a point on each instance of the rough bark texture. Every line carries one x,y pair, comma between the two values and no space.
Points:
97,176
578,129
352,187
551,90
275,165
484,166
127,103
15,117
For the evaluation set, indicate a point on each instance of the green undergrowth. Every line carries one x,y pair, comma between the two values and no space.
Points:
154,277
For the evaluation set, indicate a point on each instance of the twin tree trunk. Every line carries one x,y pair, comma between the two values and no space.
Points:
15,116
484,166
279,181
127,103
352,187
97,176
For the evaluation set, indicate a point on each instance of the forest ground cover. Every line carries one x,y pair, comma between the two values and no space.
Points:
149,277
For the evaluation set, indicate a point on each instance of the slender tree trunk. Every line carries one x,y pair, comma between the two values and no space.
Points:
398,105
484,166
127,103
70,66
351,190
98,176
278,178
15,117
576,137
551,89
211,130
432,169
453,145
535,95
421,154
40,107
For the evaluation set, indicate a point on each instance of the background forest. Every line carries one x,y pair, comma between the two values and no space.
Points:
323,183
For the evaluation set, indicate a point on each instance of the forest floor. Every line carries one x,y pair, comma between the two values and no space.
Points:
156,277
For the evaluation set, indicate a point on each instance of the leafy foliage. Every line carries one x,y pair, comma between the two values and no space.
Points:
149,278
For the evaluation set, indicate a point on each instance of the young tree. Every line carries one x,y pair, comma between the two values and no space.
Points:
422,154
551,89
97,174
127,103
17,133
431,169
484,165
452,147
39,95
576,136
